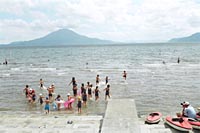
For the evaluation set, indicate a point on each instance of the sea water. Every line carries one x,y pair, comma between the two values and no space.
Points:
154,78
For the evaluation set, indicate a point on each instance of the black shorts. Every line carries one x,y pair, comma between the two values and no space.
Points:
50,95
75,92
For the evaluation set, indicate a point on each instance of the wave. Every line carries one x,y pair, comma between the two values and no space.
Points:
33,69
15,69
6,74
42,69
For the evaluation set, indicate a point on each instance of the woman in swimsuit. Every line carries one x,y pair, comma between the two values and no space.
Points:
74,84
107,80
96,92
90,91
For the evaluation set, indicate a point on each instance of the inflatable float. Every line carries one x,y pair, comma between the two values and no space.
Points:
66,104
195,124
153,118
179,123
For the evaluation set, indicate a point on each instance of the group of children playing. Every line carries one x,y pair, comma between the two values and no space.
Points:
81,95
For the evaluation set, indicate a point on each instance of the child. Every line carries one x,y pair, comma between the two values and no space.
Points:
68,99
106,80
107,94
41,99
26,90
82,88
41,83
90,91
84,96
97,80
124,75
47,107
58,100
96,92
79,104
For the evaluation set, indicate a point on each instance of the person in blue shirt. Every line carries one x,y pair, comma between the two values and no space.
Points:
188,110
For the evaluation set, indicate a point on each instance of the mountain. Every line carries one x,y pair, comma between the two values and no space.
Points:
194,38
61,37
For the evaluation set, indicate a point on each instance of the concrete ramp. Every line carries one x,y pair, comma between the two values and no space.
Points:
120,117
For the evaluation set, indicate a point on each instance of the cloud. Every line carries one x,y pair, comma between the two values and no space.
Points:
119,20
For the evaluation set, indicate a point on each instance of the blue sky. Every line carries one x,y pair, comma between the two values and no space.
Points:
117,20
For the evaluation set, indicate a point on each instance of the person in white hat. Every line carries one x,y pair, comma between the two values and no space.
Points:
40,99
68,99
188,110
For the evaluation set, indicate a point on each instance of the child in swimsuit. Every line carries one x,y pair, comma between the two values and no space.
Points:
41,99
90,91
26,90
41,83
97,80
96,92
79,104
107,80
107,94
84,96
47,107
124,75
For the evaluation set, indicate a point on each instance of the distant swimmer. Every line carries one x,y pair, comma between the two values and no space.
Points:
164,62
178,61
86,64
6,62
97,79
41,83
106,80
124,75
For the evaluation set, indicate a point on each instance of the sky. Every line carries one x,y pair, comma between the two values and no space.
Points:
117,20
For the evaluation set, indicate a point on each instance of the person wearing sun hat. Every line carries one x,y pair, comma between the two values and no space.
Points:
188,110
68,99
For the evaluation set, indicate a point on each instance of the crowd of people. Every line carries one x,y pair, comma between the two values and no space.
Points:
80,95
